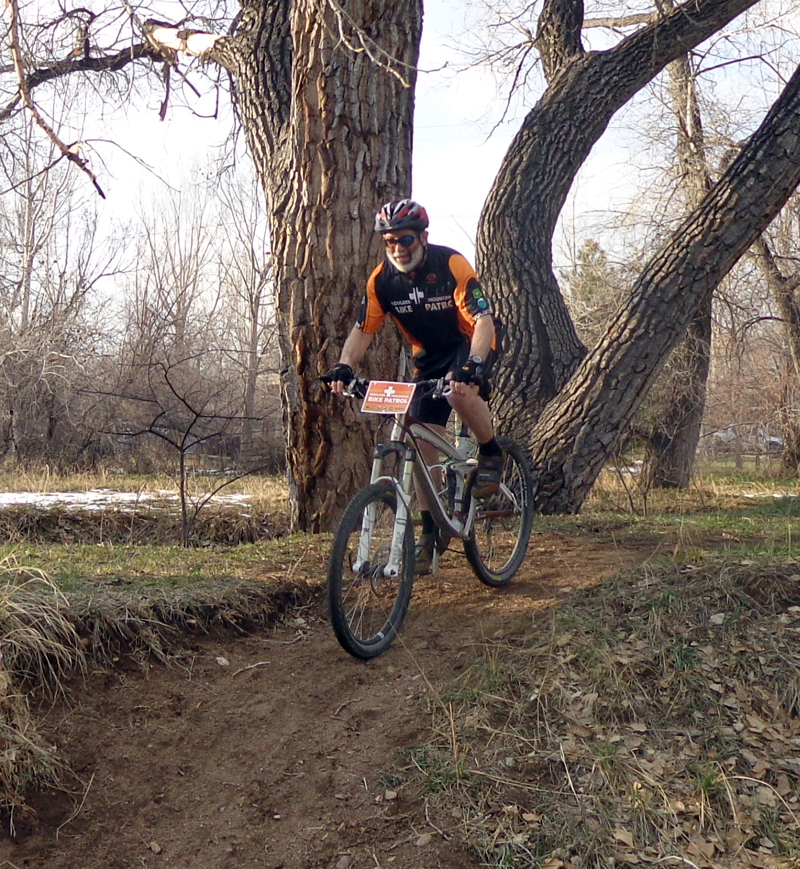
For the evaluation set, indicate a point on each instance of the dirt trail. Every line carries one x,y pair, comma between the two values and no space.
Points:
282,759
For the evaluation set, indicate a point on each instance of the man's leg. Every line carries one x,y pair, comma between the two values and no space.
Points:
474,411
423,550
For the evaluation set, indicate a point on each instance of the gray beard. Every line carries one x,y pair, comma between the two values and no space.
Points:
415,260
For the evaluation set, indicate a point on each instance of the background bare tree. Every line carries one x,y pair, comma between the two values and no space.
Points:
51,264
777,258
248,306
671,443
178,380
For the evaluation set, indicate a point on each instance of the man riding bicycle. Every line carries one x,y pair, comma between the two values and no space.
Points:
436,299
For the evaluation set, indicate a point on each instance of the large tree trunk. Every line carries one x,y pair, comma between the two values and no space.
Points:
580,428
672,444
329,130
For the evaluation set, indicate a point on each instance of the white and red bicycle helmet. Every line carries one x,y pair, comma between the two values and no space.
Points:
401,214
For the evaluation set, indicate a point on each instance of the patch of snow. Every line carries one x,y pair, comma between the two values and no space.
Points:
103,499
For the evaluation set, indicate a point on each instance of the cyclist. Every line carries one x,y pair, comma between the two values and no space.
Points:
436,299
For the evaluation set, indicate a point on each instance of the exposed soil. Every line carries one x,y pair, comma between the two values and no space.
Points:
289,755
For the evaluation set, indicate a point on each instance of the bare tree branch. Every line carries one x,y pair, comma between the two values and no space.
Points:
71,152
558,36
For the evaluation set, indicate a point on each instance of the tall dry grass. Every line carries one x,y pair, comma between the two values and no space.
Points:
39,647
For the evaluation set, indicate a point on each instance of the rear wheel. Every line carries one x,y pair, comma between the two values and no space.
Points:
500,533
366,607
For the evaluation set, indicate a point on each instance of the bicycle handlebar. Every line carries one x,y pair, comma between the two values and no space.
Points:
438,387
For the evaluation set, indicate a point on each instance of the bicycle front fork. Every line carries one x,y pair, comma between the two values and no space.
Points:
402,488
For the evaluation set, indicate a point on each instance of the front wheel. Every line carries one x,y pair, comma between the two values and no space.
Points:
366,607
499,538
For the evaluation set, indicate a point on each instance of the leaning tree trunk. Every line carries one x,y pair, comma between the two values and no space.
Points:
581,427
514,245
672,443
326,101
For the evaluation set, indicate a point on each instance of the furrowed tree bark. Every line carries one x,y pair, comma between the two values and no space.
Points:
514,245
579,429
672,443
329,130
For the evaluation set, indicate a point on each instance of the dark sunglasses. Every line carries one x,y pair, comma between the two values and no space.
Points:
403,241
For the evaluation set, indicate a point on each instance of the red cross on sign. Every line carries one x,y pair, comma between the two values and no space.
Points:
384,396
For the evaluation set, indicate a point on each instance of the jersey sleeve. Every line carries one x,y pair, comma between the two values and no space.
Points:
371,314
469,297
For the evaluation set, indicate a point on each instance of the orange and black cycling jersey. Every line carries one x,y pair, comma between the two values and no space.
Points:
435,306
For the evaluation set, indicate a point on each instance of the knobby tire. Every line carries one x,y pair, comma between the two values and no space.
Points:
501,531
366,608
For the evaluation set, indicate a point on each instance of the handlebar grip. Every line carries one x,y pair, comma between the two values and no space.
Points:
358,387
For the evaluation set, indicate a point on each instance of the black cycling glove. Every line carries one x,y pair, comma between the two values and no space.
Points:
470,372
340,372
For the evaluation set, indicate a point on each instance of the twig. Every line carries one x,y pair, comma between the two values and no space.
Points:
679,859
566,769
364,44
71,152
284,642
433,826
78,810
250,667
453,732
772,788
340,707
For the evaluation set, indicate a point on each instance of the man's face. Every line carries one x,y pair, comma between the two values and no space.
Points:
405,248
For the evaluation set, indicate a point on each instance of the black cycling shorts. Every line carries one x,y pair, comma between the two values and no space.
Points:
436,411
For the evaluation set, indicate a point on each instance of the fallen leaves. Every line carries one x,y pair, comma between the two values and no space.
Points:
660,726
623,836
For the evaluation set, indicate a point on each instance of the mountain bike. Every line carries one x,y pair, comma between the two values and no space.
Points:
371,569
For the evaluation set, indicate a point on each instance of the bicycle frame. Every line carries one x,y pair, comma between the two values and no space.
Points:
405,435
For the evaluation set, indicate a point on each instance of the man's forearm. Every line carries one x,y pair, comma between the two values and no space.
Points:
482,337
355,347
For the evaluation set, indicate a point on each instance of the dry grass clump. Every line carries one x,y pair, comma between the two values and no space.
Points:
151,523
654,719
38,648
154,623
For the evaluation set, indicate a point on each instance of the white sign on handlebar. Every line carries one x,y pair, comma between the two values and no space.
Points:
385,396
